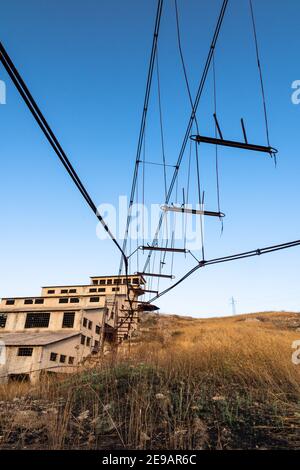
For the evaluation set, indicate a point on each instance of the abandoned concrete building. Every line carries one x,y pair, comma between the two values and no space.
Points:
58,330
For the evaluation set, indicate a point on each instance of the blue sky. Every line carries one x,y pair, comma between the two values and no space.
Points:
86,65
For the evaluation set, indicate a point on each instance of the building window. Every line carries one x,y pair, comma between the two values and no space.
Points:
10,302
62,358
68,320
85,322
94,299
25,351
28,302
37,320
115,289
95,282
72,291
96,344
102,282
101,289
117,281
90,325
39,301
135,280
93,289
97,330
3,318
53,357
88,341
64,291
82,340
109,281
63,300
51,291
129,281
71,360
74,300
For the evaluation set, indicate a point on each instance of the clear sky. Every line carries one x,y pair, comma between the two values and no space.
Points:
86,65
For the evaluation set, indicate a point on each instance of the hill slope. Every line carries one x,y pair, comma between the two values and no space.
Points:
180,383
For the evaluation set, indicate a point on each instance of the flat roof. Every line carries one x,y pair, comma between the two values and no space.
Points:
115,275
34,339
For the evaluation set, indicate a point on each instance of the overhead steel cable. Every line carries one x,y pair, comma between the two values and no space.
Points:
234,257
144,115
138,160
260,72
183,61
192,117
44,126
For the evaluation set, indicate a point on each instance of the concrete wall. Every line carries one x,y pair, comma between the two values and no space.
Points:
21,364
16,321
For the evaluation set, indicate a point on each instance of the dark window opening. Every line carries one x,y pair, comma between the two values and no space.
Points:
94,299
68,320
62,358
51,291
53,357
63,300
28,302
82,340
37,320
85,321
3,318
95,282
71,360
93,289
117,281
74,300
18,377
64,291
102,282
135,280
72,291
101,289
97,330
96,344
109,281
10,302
115,289
129,281
39,301
90,325
25,351
88,341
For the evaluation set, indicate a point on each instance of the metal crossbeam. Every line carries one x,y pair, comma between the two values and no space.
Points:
186,210
160,248
167,276
234,144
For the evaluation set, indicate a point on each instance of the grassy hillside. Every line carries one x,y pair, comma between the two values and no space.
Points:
180,383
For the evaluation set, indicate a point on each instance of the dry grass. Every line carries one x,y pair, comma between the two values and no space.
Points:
180,384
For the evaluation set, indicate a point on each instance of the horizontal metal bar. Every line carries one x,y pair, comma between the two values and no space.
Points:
186,210
234,144
160,248
146,291
167,276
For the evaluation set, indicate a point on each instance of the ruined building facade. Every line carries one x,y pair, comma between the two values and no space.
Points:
58,330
